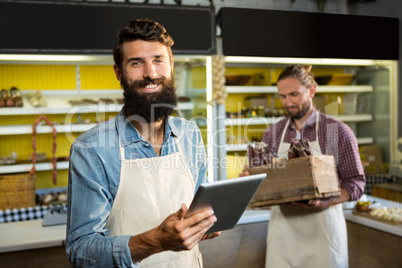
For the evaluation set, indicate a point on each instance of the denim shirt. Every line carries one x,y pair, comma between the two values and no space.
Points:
94,177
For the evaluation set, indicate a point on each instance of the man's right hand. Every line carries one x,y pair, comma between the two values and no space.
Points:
245,172
175,233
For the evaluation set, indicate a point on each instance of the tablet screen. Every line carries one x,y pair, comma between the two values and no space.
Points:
228,198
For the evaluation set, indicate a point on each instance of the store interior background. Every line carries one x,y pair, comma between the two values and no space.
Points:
386,245
381,8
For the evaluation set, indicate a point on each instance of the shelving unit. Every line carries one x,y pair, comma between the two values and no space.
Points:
64,81
58,103
359,93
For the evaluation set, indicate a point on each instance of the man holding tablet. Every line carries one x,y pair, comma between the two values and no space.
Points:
127,206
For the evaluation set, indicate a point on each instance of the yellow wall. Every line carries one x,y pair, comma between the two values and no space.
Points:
49,77
38,77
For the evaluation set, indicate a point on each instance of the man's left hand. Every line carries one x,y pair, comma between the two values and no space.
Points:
322,203
316,204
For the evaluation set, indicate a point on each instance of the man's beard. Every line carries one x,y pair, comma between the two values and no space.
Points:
149,107
302,112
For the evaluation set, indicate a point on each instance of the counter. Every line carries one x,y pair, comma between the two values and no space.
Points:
374,224
243,245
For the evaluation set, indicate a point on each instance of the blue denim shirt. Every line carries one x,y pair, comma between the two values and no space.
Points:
94,177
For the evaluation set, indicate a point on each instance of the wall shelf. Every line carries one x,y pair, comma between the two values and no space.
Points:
320,89
58,103
252,121
272,120
20,168
27,129
243,147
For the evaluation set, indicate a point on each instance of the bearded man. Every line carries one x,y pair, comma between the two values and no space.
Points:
313,233
132,178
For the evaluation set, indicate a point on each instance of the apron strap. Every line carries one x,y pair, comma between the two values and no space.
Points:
316,125
284,131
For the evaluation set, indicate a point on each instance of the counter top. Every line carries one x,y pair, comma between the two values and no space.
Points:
375,224
25,235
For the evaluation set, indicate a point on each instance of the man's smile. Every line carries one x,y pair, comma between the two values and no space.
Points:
150,88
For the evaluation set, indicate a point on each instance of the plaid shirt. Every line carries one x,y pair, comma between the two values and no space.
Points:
335,138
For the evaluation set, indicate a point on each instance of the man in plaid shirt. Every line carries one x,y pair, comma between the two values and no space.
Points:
313,233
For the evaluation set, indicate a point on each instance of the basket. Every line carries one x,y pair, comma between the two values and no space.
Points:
17,191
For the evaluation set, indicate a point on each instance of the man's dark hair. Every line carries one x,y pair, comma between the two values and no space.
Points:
141,29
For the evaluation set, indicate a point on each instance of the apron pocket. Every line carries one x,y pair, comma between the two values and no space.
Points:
143,219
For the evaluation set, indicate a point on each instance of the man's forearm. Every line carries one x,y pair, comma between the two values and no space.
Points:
143,245
345,196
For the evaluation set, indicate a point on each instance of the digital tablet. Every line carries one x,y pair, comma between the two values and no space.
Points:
228,199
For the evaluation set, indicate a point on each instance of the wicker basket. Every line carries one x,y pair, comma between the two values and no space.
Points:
17,191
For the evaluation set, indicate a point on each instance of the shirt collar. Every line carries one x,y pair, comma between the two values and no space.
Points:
129,134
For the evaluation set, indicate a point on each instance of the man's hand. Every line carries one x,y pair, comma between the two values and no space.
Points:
175,233
319,204
245,172
316,204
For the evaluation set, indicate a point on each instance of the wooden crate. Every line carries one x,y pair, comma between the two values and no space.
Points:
297,179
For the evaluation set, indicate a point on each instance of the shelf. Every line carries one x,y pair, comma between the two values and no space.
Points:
27,167
365,141
272,120
243,147
353,117
27,129
320,89
236,147
252,121
251,89
345,89
58,103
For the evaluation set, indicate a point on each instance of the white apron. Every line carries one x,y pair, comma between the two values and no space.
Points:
302,238
151,189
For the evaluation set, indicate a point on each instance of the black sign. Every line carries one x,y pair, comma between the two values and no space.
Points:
72,27
273,33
